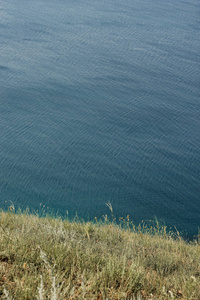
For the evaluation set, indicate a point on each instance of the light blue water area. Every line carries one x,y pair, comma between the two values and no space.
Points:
100,101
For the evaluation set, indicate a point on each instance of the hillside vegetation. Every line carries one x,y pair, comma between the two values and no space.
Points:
48,258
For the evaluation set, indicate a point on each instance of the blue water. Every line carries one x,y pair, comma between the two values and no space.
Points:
100,101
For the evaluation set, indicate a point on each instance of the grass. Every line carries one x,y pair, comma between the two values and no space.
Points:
47,258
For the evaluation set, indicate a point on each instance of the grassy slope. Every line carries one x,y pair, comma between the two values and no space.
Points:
45,258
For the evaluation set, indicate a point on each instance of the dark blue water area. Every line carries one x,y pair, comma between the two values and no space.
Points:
100,102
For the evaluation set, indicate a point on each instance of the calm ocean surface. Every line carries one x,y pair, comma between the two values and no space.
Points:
100,101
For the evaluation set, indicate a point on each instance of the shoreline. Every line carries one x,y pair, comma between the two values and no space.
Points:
59,259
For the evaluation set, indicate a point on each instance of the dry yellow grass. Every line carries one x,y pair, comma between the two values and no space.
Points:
47,258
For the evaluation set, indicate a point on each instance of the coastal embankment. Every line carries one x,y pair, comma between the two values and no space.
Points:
50,258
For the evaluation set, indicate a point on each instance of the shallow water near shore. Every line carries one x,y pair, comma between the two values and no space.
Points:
99,102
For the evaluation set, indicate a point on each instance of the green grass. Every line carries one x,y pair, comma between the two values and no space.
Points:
47,258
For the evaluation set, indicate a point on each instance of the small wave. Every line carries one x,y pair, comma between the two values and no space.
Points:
4,68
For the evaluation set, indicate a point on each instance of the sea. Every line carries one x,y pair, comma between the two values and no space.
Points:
100,103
